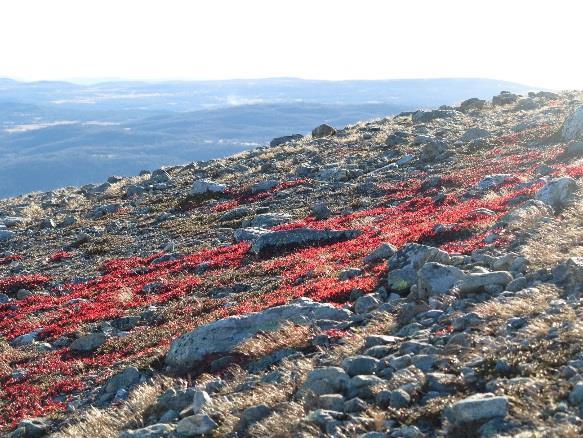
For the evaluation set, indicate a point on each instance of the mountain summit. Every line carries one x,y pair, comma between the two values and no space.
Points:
418,275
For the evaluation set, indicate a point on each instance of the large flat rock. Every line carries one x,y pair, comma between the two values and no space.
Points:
224,335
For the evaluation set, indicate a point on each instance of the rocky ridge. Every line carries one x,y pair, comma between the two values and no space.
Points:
414,276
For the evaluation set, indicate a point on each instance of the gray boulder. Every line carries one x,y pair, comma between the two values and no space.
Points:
557,192
154,431
356,365
437,279
278,240
123,380
195,425
326,380
576,394
575,149
493,181
263,186
224,335
88,342
504,98
416,255
32,428
475,282
399,398
268,220
433,150
573,126
321,211
475,133
428,116
285,139
103,210
200,400
382,252
366,303
477,408
6,235
204,186
249,234
323,131
472,104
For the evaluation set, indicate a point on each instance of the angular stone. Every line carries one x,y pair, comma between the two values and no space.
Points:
323,131
356,365
557,192
268,220
366,304
88,342
437,279
128,377
204,186
33,427
298,237
263,186
196,425
477,408
573,126
331,402
576,394
382,252
399,399
285,139
200,400
249,234
159,430
224,335
326,380
475,282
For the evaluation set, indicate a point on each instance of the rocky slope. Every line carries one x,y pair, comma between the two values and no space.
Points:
418,275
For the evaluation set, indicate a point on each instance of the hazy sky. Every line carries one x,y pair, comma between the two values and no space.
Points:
534,42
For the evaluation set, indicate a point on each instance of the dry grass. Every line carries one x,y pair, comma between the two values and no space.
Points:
499,311
555,241
117,189
287,336
32,212
108,245
232,403
110,422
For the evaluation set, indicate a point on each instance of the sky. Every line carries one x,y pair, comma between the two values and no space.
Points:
534,42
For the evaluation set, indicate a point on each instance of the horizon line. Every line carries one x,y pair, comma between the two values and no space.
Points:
106,80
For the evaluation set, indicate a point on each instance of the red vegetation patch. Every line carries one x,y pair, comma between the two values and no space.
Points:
12,284
61,255
8,259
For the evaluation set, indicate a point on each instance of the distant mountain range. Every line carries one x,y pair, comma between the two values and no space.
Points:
54,134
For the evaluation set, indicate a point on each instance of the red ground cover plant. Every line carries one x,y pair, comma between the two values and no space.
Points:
9,259
409,212
60,255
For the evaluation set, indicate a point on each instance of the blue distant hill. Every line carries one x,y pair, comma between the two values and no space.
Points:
54,134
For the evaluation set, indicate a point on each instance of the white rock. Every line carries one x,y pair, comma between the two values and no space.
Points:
195,425
573,126
478,408
203,186
557,192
